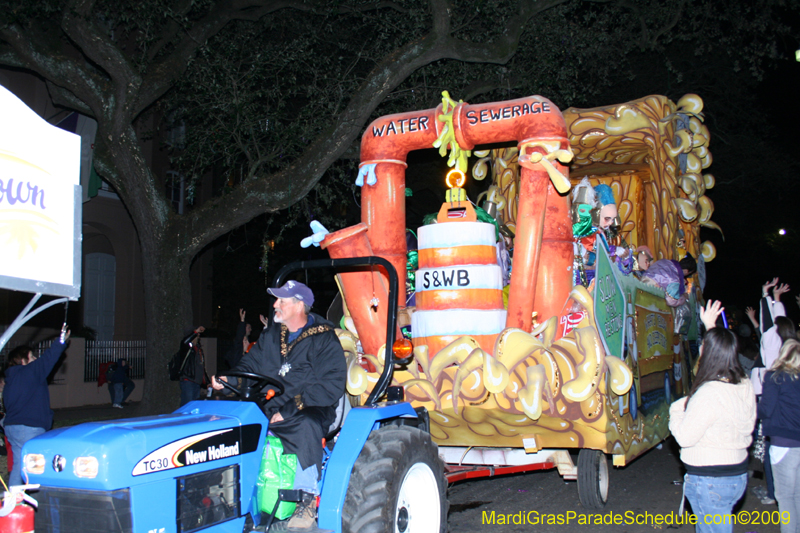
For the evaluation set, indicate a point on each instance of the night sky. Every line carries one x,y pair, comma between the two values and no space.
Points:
753,210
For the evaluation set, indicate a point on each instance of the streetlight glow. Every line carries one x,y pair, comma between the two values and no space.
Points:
781,231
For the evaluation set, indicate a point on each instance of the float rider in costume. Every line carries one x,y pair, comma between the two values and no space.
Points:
300,349
594,212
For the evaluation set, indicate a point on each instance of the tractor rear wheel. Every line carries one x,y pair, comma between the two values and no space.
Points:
592,478
397,485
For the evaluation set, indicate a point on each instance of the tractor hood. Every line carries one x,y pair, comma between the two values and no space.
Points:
140,450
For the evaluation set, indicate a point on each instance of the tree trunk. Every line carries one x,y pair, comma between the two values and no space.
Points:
168,311
167,249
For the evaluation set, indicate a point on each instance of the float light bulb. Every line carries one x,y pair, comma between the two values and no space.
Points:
455,178
781,231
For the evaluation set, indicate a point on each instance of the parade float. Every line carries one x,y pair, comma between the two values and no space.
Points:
562,363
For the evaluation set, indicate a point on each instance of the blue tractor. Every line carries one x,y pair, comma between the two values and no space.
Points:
196,469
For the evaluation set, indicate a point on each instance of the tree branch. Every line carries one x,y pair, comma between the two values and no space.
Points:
29,49
65,98
98,47
163,74
169,33
504,48
440,14
373,6
280,190
668,27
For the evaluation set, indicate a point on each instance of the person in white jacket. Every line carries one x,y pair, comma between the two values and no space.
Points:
775,329
714,426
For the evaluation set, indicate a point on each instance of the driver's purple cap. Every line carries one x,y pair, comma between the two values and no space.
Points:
294,289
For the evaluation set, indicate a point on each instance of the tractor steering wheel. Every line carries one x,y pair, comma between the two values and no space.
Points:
252,393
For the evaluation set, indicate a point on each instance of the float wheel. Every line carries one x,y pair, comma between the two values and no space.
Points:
592,478
397,485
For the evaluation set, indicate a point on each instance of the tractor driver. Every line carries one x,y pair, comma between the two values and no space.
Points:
301,350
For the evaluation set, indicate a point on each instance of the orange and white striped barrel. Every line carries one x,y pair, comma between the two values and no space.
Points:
456,243
459,286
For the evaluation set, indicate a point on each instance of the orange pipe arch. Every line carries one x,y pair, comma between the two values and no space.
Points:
542,265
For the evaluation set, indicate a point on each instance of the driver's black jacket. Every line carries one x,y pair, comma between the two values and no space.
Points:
316,367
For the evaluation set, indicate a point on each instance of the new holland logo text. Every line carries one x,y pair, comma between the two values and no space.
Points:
212,453
201,448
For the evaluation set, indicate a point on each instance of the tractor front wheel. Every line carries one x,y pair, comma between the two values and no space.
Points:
397,485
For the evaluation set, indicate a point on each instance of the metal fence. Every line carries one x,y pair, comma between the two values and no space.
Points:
38,350
99,352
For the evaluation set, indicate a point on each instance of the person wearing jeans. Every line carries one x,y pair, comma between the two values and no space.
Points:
712,497
713,425
786,473
121,383
18,435
27,399
779,409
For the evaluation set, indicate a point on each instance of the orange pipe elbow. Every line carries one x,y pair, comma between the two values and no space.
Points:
527,247
554,276
542,274
386,144
360,287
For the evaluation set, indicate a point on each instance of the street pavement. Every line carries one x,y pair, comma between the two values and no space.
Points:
645,487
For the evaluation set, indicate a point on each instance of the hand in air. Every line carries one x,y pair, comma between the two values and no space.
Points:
781,289
767,286
710,314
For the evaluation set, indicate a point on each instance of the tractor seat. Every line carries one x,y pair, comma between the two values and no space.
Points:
342,408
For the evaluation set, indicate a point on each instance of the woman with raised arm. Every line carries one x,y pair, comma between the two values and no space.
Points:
714,426
775,329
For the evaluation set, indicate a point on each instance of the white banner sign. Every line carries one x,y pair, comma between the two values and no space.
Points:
40,217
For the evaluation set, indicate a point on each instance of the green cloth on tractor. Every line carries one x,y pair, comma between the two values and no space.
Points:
277,472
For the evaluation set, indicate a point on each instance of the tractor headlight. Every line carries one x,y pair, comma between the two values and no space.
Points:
34,463
85,467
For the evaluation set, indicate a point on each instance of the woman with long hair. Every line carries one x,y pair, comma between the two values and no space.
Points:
779,410
713,425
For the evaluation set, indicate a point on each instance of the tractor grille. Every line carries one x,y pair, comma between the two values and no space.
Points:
208,498
86,511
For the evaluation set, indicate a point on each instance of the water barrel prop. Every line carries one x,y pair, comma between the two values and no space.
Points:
459,286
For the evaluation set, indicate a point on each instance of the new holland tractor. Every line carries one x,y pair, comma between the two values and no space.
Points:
196,469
